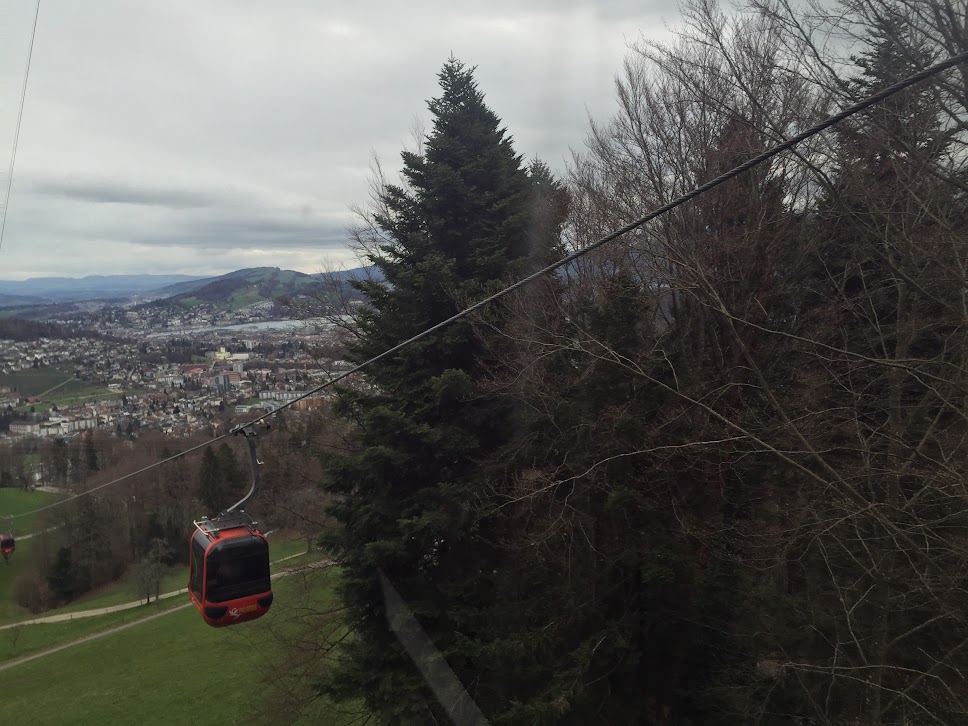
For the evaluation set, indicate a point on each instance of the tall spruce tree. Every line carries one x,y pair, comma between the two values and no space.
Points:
232,474
211,488
90,454
459,228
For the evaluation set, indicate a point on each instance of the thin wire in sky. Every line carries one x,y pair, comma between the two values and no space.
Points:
16,133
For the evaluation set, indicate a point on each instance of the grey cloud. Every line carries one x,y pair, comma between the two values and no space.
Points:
106,192
169,135
246,232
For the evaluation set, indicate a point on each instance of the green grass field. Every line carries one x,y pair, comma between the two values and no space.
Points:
74,393
15,643
71,395
16,501
69,391
176,669
35,380
28,639
169,670
243,297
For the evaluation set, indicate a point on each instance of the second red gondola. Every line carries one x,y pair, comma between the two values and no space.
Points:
7,545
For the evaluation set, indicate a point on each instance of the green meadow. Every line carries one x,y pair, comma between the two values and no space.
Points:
166,670
175,669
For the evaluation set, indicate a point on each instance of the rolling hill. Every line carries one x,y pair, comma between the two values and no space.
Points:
245,287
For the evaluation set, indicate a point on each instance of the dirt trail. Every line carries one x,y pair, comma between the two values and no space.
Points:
80,614
119,628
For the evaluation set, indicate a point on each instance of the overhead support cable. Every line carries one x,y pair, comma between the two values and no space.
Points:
16,133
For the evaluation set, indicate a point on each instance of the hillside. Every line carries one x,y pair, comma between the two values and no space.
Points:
238,289
244,287
230,292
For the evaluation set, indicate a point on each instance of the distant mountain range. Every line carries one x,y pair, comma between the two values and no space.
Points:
232,291
39,290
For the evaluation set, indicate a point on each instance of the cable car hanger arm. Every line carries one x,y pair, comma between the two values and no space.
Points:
249,431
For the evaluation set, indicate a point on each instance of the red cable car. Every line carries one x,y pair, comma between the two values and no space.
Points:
7,545
228,580
229,574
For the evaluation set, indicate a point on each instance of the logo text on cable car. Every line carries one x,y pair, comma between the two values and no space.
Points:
236,613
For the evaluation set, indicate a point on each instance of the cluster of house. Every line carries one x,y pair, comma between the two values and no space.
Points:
8,397
173,317
174,398
101,355
54,426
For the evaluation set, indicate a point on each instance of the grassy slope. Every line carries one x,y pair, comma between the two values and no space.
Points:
238,291
15,643
72,394
246,296
28,639
116,593
171,670
17,501
34,380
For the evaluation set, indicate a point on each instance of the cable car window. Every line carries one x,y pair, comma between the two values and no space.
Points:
6,542
197,570
237,568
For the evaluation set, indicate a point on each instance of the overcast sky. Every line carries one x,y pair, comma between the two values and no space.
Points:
203,136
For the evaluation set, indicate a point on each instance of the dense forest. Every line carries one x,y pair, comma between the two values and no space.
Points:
712,473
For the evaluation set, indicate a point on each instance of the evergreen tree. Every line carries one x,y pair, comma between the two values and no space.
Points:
211,488
60,576
66,577
90,452
456,231
232,474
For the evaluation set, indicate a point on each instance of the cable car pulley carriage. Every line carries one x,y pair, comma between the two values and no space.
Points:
229,579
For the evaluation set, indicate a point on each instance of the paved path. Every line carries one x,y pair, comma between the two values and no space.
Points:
80,614
22,537
119,628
